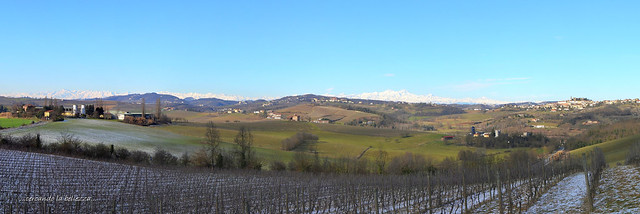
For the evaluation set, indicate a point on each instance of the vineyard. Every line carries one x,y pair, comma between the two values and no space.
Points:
32,182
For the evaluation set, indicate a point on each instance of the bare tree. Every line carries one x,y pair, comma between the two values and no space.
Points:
143,110
158,108
212,137
381,161
244,140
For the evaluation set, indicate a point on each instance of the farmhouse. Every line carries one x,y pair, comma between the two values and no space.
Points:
295,117
121,116
28,107
47,114
73,111
274,116
68,112
322,120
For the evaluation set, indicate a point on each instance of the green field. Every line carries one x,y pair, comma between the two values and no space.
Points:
336,141
614,151
14,122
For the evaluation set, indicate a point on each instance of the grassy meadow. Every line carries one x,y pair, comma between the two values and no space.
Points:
335,141
14,122
615,151
216,117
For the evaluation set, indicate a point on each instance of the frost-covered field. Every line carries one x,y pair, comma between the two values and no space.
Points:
619,191
40,183
566,197
111,132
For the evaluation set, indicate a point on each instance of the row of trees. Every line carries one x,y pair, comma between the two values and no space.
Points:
69,145
243,153
57,112
593,171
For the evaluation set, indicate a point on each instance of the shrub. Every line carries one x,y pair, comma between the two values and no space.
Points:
296,140
408,163
140,157
162,157
200,159
184,159
122,153
633,157
277,166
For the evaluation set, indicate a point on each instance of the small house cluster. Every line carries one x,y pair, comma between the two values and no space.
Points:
575,103
274,116
231,110
475,133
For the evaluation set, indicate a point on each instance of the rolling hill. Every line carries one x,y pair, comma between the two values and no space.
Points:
615,151
315,112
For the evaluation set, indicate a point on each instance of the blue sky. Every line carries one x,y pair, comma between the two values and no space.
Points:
503,50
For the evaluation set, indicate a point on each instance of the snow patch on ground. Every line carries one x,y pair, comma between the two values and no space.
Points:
566,197
619,191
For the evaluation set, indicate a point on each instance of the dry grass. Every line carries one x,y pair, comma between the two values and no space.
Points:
334,113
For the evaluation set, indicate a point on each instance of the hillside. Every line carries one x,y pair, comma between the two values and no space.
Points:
615,151
216,117
315,112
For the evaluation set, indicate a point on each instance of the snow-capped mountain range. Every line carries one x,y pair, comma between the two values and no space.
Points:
388,95
406,96
66,94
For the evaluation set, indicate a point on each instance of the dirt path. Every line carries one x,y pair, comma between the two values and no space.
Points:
565,197
619,191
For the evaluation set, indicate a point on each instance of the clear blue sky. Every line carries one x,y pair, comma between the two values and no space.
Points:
504,50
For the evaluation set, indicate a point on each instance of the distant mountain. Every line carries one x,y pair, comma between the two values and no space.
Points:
210,102
222,99
406,96
196,96
66,94
148,97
